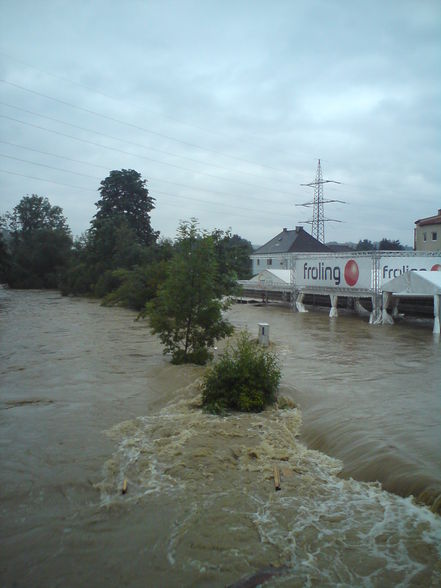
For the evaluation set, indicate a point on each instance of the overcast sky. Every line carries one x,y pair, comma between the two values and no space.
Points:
225,107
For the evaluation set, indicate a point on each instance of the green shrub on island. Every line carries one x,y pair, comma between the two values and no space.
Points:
245,378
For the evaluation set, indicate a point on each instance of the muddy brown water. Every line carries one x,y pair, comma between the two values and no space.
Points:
87,400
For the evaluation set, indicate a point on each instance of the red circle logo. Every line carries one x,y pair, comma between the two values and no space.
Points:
436,268
351,272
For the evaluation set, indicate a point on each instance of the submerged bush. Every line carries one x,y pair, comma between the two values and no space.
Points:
245,378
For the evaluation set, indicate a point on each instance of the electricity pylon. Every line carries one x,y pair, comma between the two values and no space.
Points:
318,209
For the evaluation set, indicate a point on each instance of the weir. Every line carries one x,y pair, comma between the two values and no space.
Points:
354,276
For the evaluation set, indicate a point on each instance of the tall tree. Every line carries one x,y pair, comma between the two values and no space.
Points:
124,195
120,236
187,313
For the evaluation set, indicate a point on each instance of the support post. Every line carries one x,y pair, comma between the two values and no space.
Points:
360,309
395,303
386,318
263,334
436,313
333,313
375,318
299,302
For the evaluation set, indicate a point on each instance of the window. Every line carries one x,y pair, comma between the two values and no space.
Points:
269,261
434,235
425,237
258,262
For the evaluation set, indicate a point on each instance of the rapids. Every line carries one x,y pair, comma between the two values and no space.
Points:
87,400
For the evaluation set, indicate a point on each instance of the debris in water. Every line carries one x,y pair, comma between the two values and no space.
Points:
277,478
124,487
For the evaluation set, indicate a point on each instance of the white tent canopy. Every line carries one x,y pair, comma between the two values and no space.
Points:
271,277
417,284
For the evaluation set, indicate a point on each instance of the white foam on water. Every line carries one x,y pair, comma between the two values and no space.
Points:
327,530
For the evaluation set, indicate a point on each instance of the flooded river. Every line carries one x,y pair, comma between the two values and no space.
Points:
87,400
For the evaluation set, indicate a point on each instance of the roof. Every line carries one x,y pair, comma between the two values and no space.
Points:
297,240
275,276
415,283
430,220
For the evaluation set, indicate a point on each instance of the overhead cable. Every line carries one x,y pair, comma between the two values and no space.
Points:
139,128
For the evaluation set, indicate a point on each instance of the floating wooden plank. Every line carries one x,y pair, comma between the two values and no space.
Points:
124,487
276,478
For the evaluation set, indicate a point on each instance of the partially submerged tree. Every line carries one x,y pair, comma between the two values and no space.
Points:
187,313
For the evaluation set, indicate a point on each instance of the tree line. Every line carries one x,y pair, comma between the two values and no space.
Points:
383,245
180,284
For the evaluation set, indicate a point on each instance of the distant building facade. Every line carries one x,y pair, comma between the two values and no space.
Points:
427,235
275,255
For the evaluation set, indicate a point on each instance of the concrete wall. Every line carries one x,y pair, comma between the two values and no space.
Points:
424,238
274,261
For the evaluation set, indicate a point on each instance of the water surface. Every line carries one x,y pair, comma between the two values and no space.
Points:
87,400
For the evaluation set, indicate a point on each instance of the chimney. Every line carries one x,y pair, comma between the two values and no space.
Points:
439,211
298,229
284,229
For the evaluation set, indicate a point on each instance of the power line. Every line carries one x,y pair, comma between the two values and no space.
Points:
5,171
100,93
107,136
54,155
48,166
253,210
113,119
206,202
128,152
155,113
107,167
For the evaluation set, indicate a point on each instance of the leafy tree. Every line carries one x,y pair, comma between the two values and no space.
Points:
233,258
139,285
40,243
34,213
119,240
365,245
187,313
5,260
245,378
388,245
124,195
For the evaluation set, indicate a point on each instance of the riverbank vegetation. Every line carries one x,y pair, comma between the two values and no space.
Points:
181,285
120,258
38,247
245,378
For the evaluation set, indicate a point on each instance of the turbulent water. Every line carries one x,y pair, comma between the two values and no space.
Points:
88,401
